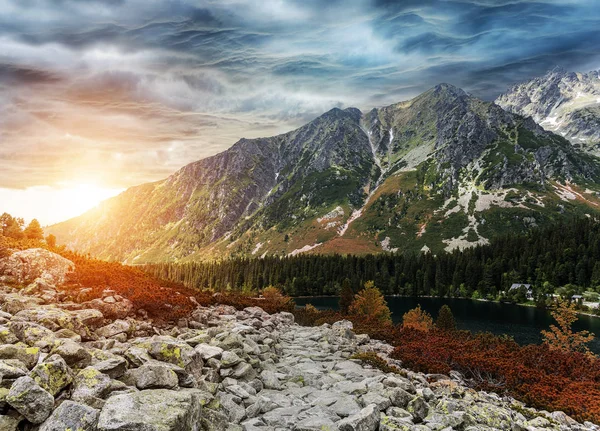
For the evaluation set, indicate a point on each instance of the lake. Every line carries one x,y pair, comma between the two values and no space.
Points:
522,323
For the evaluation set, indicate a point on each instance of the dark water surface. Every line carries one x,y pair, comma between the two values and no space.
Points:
522,323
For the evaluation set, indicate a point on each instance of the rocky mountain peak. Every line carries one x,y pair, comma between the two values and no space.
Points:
563,102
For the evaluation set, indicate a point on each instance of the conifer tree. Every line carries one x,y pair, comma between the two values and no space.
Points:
445,320
369,302
34,230
346,296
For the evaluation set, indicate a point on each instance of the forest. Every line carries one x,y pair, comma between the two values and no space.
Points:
561,258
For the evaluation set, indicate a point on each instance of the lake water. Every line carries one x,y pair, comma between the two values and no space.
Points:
522,323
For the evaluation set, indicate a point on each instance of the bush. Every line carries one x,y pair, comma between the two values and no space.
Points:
417,319
370,302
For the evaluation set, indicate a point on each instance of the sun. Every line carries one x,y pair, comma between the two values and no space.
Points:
56,203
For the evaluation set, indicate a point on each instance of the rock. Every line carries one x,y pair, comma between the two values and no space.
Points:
270,380
9,423
113,367
90,317
115,328
229,359
365,420
154,375
419,408
30,399
153,410
7,336
73,353
71,416
112,310
25,266
10,371
53,374
33,334
207,351
90,384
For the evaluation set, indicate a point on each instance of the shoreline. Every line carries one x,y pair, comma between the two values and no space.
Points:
525,304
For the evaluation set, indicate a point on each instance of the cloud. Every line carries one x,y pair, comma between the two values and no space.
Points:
127,91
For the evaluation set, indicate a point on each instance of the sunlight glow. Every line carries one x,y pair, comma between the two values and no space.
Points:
53,204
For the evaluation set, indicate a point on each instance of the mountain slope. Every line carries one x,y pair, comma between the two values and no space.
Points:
442,170
566,103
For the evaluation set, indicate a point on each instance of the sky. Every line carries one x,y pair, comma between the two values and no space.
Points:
100,95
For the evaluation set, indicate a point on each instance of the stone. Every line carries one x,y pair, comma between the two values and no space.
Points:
10,371
73,353
7,336
270,380
365,420
113,367
71,416
9,423
419,408
229,359
90,317
207,351
24,266
32,334
53,374
154,376
30,399
90,384
152,410
115,328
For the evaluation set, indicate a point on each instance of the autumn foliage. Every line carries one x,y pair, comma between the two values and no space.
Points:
562,337
369,302
417,319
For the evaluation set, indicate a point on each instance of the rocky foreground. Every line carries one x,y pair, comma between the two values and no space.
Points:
65,366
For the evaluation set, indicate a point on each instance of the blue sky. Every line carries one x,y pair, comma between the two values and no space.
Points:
119,92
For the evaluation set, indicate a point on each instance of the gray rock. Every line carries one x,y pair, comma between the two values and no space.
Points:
115,328
365,420
419,408
153,410
90,384
207,351
71,416
30,399
53,374
73,353
9,423
155,376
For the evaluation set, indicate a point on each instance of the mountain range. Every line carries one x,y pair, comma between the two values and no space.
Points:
444,170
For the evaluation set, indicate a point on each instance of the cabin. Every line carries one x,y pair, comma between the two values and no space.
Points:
577,298
527,286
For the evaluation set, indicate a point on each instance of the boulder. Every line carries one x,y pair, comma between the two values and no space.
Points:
365,420
53,374
90,384
31,400
32,334
28,355
71,416
24,266
154,375
115,328
153,410
73,353
9,423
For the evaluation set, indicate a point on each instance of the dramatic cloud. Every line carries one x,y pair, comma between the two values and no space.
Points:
118,92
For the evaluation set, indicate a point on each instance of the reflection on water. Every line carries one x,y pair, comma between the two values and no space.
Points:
522,323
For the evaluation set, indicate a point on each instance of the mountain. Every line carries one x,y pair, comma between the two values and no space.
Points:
440,171
566,103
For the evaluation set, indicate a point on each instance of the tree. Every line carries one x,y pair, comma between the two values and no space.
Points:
346,296
417,319
369,302
11,227
562,337
34,230
445,320
51,241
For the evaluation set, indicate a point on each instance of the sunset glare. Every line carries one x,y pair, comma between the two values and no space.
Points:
60,202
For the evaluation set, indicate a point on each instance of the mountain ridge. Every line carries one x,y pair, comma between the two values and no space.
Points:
328,185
